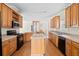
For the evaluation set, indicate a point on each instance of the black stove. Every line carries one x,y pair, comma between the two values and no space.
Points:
19,38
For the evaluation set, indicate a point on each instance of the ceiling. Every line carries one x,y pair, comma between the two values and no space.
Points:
39,10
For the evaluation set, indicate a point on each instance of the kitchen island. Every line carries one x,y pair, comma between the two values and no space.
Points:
37,44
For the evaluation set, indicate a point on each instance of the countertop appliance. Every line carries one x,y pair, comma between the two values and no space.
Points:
0,37
61,44
19,37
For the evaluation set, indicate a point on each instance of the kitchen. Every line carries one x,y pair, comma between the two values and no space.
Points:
39,29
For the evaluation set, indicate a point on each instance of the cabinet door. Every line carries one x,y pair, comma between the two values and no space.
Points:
0,7
5,48
57,21
75,49
74,15
9,16
68,47
13,45
20,21
4,15
68,17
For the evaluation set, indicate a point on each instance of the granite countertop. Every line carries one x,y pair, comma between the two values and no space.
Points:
72,37
7,37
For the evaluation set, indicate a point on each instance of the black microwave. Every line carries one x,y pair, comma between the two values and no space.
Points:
15,24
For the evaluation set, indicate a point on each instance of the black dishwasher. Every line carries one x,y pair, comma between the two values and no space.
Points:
61,44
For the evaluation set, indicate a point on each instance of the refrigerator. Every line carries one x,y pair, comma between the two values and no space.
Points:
0,37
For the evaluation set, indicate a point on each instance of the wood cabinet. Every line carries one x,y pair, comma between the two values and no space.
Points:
8,15
4,15
13,45
55,22
68,17
75,49
54,39
5,48
27,36
9,46
68,47
0,7
72,48
20,21
72,15
9,20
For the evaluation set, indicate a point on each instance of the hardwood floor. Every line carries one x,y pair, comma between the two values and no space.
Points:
25,50
50,50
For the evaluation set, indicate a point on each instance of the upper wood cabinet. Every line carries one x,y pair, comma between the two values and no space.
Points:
55,22
72,15
9,20
0,7
20,21
8,15
4,16
68,17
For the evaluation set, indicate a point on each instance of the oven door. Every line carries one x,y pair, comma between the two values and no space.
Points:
19,42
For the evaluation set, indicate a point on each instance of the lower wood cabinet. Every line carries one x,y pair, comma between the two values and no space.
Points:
54,39
75,49
9,47
27,36
5,48
72,48
68,47
13,45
